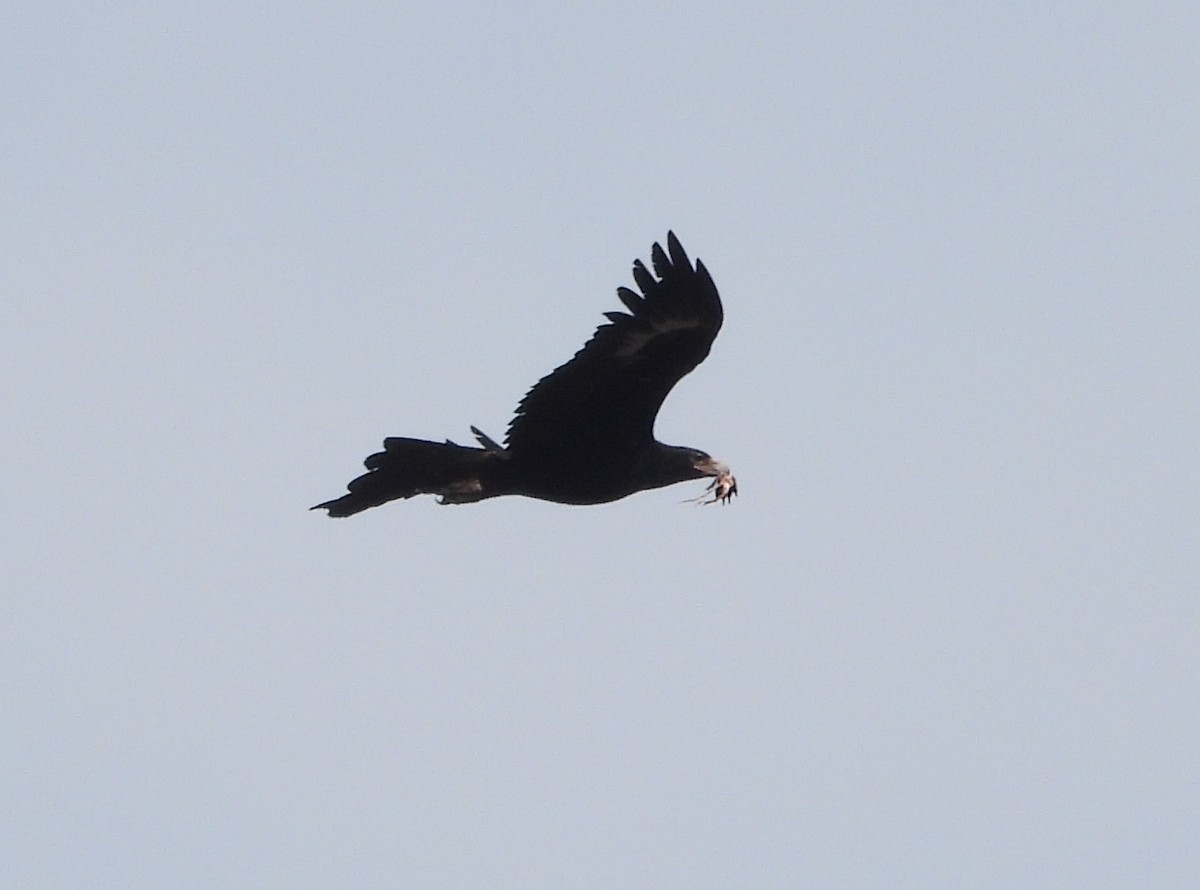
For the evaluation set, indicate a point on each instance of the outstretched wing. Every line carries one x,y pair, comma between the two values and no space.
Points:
609,394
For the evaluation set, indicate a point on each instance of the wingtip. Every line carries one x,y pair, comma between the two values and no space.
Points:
633,302
679,256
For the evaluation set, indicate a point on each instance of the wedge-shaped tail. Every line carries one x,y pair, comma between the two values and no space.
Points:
408,467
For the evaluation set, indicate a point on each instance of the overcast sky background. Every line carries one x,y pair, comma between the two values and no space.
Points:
946,637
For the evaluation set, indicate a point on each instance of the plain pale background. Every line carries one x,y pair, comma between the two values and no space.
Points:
946,637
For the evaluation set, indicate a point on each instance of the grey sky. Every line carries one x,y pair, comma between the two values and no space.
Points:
946,637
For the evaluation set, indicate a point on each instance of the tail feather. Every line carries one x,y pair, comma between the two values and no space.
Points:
408,467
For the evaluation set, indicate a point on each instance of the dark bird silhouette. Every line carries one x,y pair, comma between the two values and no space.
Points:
584,434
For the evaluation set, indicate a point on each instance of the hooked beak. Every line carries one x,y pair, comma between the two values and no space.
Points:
710,467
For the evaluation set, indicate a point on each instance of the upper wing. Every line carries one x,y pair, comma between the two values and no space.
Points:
610,392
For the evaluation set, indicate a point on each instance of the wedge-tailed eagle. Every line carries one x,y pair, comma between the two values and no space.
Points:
584,434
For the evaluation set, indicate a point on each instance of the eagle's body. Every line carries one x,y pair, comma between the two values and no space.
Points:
584,434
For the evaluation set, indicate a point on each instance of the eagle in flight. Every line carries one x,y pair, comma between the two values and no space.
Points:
584,434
